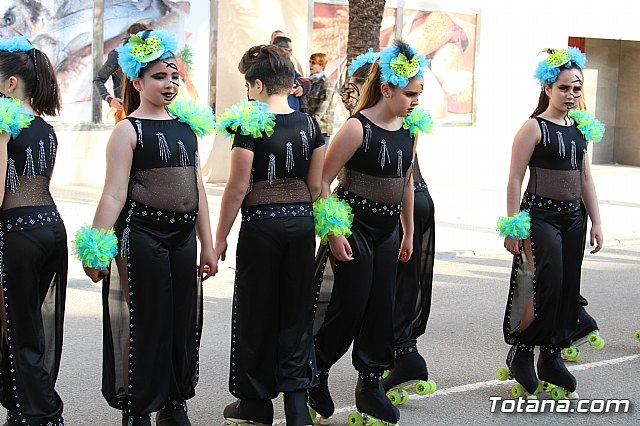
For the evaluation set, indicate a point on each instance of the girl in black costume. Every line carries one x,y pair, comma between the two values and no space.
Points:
276,169
33,240
372,153
154,197
415,278
542,305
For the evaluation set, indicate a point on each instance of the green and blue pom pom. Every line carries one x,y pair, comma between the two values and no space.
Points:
590,127
250,118
516,227
418,121
332,216
199,117
13,116
95,248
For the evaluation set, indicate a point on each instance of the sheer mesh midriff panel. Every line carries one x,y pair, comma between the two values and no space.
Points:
166,188
280,191
555,184
373,188
32,191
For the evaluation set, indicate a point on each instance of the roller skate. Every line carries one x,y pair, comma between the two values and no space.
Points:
409,374
320,403
636,335
296,411
551,369
586,332
248,412
520,368
173,414
372,405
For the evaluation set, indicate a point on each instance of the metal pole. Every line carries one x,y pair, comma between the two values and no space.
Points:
97,57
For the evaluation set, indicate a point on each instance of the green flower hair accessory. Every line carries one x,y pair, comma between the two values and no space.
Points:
251,118
332,216
516,227
199,117
13,116
558,58
95,247
590,127
418,121
145,47
405,67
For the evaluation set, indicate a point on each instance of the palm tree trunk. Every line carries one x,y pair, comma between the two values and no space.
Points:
365,19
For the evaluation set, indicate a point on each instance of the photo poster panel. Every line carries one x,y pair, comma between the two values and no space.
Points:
63,30
448,39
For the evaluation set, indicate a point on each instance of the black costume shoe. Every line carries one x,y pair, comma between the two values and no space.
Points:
551,369
320,398
372,400
173,414
296,411
409,367
144,420
520,363
249,411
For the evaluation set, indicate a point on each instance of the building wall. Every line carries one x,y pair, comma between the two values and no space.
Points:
627,147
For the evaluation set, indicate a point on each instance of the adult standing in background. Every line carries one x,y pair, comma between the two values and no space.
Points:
320,99
280,33
298,97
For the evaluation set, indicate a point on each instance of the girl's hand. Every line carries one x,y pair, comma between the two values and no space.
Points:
596,238
96,274
513,246
340,248
406,249
208,264
221,249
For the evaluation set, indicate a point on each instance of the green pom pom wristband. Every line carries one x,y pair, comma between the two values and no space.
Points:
332,216
516,227
95,248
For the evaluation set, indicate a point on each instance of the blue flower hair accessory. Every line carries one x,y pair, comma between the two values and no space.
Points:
199,117
418,121
13,116
251,118
362,59
16,43
590,127
548,69
145,47
397,69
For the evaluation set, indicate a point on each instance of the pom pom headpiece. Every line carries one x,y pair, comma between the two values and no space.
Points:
548,69
362,59
16,44
396,68
145,47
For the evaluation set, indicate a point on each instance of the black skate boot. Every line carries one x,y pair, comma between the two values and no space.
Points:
173,414
552,370
372,403
296,411
409,373
320,398
249,411
586,332
520,363
144,420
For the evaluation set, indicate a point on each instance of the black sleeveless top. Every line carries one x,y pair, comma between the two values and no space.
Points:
557,161
281,161
31,157
164,169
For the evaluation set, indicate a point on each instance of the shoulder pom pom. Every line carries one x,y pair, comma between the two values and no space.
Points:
95,248
332,216
590,127
251,118
418,121
516,227
199,117
13,116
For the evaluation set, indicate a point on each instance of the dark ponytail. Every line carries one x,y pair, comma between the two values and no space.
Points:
371,92
130,96
36,72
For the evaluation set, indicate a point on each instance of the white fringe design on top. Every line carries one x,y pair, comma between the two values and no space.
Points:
271,170
383,156
305,144
165,154
184,158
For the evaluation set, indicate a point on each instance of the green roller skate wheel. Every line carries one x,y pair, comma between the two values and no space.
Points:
558,393
571,352
422,387
394,396
503,373
378,423
596,341
404,397
517,391
355,419
433,386
636,335
313,413
385,374
540,388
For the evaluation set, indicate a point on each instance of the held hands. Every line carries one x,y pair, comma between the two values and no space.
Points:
116,103
208,264
96,274
596,238
513,246
406,249
340,248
